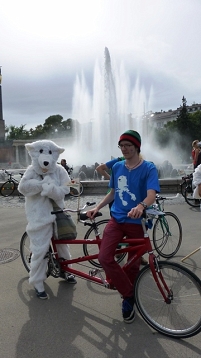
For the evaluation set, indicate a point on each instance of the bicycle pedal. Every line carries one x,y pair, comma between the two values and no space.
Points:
93,272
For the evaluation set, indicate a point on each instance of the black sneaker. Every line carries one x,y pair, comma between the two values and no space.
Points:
128,310
68,277
71,279
42,295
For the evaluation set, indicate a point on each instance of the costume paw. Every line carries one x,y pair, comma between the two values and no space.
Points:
47,189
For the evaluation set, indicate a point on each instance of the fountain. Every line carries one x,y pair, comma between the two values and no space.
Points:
104,112
112,106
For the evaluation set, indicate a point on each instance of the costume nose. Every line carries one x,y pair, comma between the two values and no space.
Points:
46,163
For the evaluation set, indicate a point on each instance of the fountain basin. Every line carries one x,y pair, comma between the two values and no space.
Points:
92,187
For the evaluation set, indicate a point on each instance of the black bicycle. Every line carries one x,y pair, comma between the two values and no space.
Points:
187,189
8,188
186,183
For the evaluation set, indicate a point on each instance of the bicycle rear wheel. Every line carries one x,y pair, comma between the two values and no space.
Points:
76,191
92,249
183,188
188,196
25,253
167,235
182,317
7,188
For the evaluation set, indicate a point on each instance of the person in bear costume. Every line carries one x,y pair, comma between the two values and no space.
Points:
43,180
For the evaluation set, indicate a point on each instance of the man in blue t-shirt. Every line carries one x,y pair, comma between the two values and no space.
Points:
103,169
134,183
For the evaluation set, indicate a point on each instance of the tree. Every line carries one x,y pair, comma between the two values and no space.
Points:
54,126
179,132
14,132
183,118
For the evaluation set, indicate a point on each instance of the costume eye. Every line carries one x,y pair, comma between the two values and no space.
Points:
41,150
50,152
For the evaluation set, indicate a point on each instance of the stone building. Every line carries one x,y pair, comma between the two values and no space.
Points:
159,119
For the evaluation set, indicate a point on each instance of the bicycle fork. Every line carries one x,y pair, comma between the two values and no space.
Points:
159,279
156,272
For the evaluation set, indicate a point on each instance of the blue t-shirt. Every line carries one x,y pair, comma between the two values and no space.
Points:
131,188
113,161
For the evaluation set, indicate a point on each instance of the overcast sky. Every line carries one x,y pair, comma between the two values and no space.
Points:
44,44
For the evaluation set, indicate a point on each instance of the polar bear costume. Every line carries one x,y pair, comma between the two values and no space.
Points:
43,180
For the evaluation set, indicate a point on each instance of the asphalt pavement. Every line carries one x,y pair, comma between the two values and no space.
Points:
82,320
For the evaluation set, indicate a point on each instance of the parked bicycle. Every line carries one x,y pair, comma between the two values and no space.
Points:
187,189
167,294
187,181
167,230
76,188
8,188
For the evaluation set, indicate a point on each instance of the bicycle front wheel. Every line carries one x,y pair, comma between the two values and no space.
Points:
167,235
93,249
7,188
181,318
76,191
188,196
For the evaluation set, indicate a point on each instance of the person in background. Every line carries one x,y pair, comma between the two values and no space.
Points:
195,152
134,183
63,163
103,169
198,162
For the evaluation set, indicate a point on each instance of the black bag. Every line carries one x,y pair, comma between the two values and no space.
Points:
66,228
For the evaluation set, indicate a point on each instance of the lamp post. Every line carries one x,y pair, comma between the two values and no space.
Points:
2,124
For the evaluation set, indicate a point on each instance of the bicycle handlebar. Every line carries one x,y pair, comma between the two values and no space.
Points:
148,213
10,174
73,210
159,197
188,176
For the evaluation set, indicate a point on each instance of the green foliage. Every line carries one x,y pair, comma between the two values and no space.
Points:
14,132
53,127
181,132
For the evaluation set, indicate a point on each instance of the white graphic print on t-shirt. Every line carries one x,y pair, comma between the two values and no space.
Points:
123,187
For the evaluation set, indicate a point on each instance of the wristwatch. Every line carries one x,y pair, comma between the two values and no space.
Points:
143,204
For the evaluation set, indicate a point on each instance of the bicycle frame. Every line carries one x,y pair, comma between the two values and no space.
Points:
139,246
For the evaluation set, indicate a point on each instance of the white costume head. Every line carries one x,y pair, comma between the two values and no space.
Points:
44,155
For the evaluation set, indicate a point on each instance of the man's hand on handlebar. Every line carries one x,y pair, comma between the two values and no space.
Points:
136,212
91,213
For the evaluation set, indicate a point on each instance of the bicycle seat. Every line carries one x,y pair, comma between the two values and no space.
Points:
83,215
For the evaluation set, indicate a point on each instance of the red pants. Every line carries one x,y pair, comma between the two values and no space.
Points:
112,236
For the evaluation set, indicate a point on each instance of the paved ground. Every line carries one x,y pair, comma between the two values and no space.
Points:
81,321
